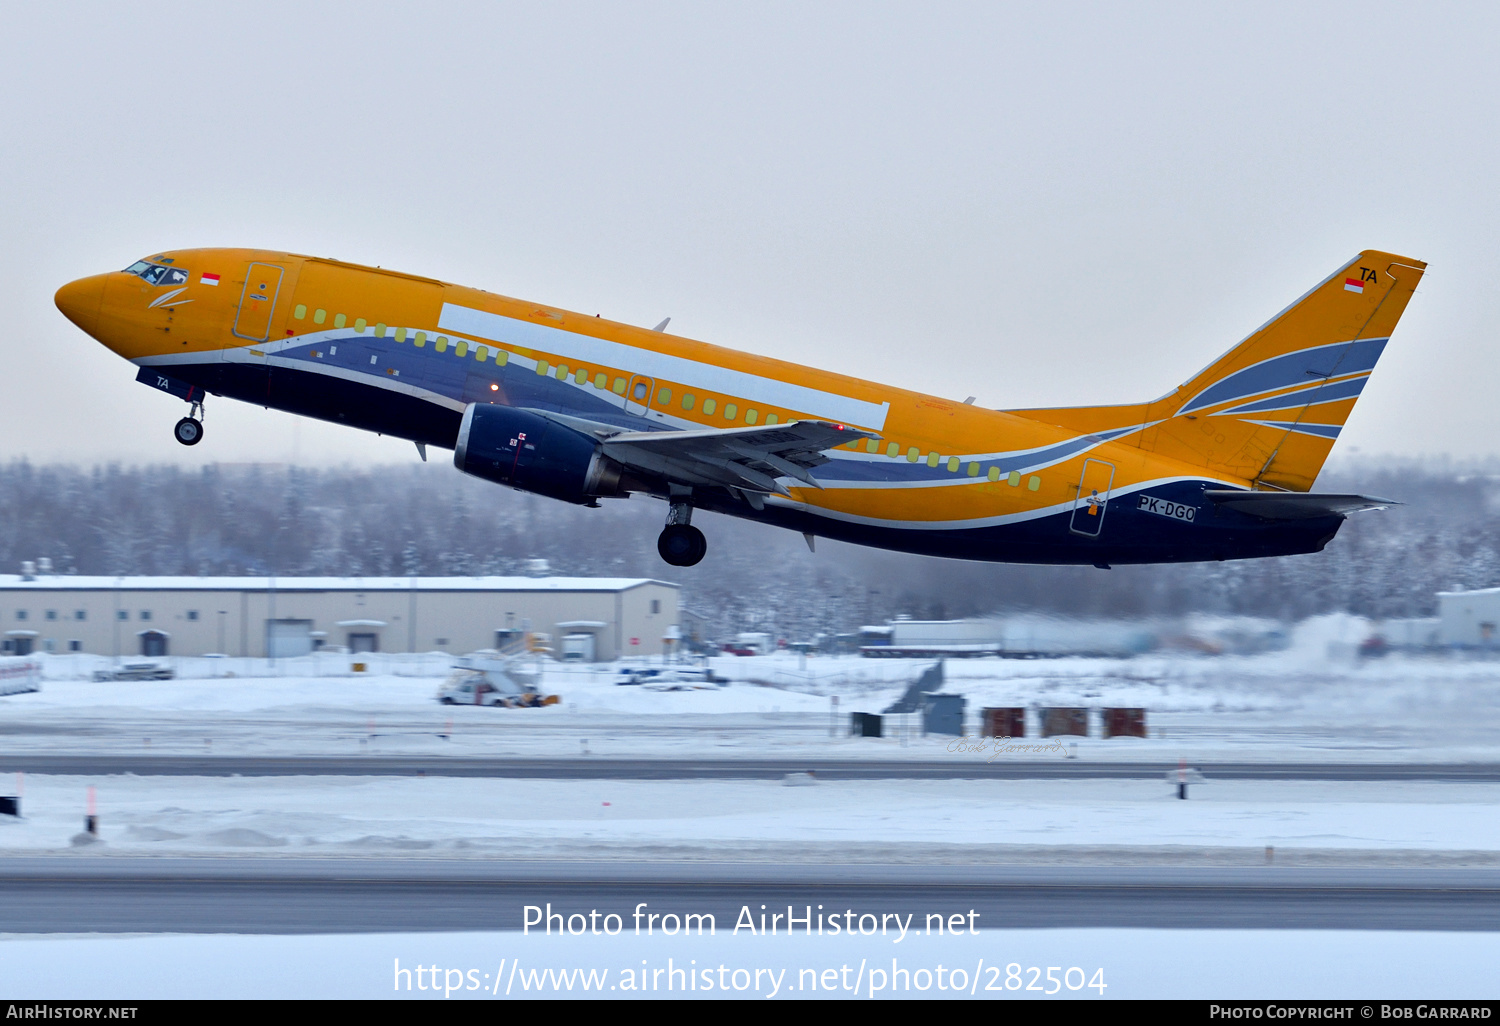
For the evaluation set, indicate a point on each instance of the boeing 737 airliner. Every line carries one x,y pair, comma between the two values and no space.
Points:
580,408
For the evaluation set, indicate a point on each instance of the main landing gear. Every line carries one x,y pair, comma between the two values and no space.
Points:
680,543
189,430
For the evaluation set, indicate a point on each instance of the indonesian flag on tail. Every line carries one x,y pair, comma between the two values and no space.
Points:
1354,285
213,279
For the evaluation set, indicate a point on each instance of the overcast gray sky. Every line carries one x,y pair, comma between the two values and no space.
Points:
1035,204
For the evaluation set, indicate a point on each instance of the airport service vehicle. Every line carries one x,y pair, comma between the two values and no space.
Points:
653,676
137,671
581,409
493,678
19,675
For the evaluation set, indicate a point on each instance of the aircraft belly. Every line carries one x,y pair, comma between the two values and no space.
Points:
1166,522
366,404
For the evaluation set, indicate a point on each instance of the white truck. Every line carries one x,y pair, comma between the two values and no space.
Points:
19,674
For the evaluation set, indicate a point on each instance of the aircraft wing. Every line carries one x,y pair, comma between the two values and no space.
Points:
1295,505
747,458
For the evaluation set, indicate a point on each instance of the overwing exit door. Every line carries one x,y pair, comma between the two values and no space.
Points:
1093,496
638,397
257,302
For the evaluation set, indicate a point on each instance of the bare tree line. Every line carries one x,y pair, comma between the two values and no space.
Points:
229,519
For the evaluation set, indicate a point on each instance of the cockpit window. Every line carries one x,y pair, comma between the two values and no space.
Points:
158,274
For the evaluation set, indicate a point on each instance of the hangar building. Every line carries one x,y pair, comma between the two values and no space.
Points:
588,618
1469,619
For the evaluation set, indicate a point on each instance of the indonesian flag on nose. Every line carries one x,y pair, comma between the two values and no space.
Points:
1354,285
209,279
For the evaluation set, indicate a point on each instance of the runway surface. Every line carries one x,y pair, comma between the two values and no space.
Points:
88,894
956,768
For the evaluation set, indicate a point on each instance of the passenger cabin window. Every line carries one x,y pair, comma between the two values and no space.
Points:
359,325
771,418
751,416
731,411
339,320
299,312
420,340
688,399
319,316
710,405
664,397
462,349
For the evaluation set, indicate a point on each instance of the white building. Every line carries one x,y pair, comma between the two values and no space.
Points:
1470,618
1011,635
587,618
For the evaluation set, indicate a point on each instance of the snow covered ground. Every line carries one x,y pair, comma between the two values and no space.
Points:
1311,703
928,821
1215,965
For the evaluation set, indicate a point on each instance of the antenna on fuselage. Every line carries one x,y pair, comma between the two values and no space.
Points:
663,325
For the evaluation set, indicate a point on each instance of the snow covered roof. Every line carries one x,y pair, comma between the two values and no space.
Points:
69,582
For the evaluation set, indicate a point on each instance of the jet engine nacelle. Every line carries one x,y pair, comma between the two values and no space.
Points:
530,452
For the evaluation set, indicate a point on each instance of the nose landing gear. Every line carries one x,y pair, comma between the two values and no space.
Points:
680,543
189,430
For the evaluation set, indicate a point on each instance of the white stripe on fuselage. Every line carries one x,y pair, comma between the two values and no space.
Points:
979,522
694,373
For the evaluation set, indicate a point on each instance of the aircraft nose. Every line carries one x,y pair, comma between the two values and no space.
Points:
80,300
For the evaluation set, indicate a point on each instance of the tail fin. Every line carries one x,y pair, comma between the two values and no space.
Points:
1268,411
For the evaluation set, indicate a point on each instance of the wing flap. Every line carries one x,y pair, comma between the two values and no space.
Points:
742,457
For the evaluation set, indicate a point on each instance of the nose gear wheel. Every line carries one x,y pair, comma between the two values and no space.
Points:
188,431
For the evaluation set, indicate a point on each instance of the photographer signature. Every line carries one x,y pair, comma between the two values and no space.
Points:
998,746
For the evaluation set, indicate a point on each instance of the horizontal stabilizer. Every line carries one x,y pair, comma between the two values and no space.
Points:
1295,505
